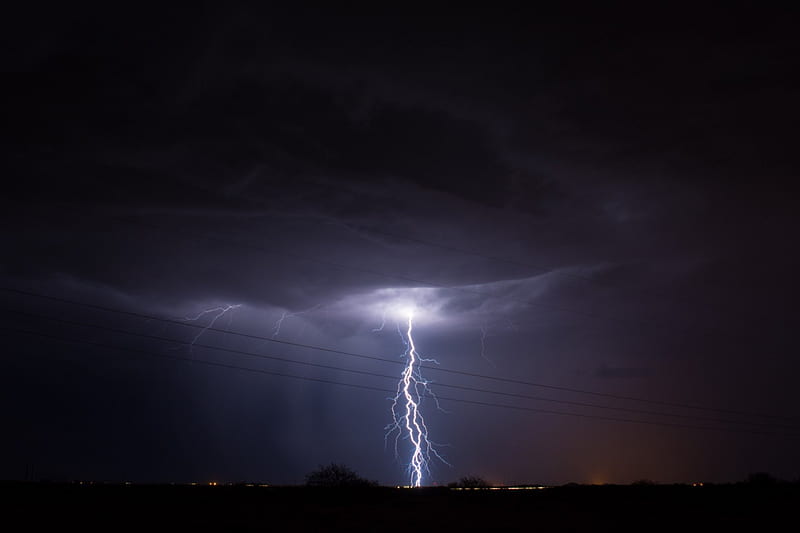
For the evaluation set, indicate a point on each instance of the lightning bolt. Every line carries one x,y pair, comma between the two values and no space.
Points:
218,313
407,416
276,328
278,324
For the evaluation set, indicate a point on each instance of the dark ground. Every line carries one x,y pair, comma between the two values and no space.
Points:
736,507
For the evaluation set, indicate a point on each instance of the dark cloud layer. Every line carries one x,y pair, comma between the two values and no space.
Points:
592,198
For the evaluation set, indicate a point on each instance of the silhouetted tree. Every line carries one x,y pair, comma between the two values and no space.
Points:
336,475
471,482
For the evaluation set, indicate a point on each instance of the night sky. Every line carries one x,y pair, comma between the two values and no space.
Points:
592,199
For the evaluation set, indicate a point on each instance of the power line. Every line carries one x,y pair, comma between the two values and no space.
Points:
378,389
393,361
678,344
375,374
673,340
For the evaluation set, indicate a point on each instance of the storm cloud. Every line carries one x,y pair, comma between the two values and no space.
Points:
593,200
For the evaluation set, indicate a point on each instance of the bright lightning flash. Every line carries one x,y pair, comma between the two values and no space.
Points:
406,413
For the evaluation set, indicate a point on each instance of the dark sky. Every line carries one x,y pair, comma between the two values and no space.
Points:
599,198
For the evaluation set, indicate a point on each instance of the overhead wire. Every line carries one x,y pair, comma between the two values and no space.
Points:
379,389
392,361
194,344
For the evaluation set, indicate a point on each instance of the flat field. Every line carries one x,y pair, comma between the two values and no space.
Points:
674,508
